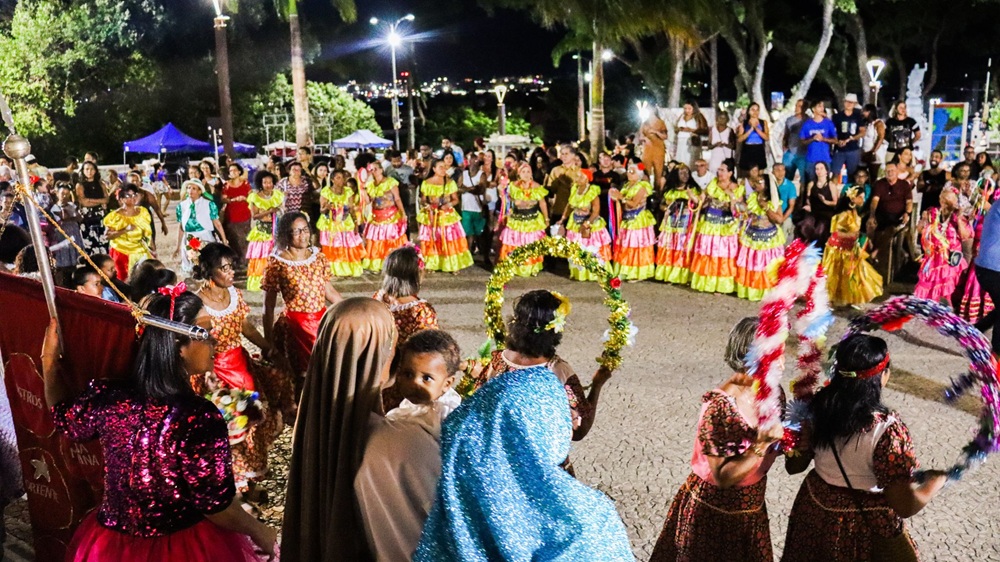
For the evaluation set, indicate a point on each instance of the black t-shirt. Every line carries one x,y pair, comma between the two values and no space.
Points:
848,126
606,180
933,185
899,133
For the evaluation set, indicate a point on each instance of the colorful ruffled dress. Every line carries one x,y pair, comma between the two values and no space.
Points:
705,521
131,247
524,225
338,235
260,241
672,256
761,242
716,243
597,239
943,262
850,279
973,301
634,254
302,285
234,368
385,229
442,239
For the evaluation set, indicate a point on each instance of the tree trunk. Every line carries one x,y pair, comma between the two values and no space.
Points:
757,90
897,59
678,56
802,88
597,103
302,125
743,79
932,80
714,72
856,28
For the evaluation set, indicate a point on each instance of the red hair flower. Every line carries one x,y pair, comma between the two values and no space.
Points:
615,283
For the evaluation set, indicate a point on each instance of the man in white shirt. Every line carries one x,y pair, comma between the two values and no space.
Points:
701,174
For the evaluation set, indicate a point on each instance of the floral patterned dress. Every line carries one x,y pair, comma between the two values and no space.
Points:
706,522
234,368
413,317
825,523
302,285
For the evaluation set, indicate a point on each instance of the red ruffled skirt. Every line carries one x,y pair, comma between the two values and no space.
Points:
204,542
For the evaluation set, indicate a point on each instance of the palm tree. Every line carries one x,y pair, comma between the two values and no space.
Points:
289,10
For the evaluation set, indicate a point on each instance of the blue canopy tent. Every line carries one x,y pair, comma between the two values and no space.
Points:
240,148
167,139
362,139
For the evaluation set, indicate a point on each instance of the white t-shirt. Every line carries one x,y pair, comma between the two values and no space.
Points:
702,181
469,201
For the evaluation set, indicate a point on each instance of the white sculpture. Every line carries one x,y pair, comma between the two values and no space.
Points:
915,92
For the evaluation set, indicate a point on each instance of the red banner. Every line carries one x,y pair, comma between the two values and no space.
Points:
63,479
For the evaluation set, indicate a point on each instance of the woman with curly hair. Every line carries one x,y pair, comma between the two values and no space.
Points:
266,204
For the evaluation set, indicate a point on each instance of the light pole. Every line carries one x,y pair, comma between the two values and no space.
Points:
222,71
875,67
395,40
581,108
501,92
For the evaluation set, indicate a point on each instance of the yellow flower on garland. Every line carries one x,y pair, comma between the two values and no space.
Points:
558,323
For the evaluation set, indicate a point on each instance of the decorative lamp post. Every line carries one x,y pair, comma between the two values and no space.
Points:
501,92
394,39
875,67
222,72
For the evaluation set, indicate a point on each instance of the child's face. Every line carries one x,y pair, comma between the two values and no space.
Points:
92,286
423,377
108,267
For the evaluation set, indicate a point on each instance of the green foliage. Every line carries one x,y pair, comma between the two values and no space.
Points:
464,124
54,58
993,120
348,114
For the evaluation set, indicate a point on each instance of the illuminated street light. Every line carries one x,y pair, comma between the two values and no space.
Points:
875,67
394,39
644,111
501,92
607,55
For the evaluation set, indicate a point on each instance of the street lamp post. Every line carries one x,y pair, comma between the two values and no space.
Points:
501,92
395,40
222,71
581,107
875,67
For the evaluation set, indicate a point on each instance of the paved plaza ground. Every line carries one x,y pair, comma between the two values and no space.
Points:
639,449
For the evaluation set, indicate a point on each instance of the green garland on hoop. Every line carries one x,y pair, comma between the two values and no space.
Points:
621,332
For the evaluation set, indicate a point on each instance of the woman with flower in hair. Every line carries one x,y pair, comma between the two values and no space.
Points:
533,336
852,504
385,228
947,242
301,274
199,219
527,220
720,512
442,239
265,207
338,234
850,279
716,236
233,368
586,227
634,256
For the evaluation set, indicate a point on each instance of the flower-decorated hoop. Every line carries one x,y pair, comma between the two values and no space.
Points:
799,275
621,331
896,312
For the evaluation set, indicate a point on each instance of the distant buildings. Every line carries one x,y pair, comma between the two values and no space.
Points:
449,87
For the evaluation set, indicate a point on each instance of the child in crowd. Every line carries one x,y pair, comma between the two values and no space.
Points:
396,482
107,264
401,276
67,216
86,280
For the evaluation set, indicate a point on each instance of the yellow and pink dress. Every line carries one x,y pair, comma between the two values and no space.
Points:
524,225
592,236
130,247
385,229
235,368
260,241
634,254
850,279
442,239
943,262
760,243
672,256
338,234
716,243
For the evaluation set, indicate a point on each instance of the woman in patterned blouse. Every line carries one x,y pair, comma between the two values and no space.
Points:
301,274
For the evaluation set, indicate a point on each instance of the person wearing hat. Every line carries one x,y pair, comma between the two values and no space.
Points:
199,219
850,125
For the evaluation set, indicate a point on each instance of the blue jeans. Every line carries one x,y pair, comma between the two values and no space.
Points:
850,158
793,162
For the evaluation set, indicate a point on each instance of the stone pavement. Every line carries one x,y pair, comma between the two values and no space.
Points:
639,449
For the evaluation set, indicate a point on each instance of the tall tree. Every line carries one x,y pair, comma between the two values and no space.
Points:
289,10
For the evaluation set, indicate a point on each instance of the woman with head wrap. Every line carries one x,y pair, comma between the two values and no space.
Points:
350,362
502,494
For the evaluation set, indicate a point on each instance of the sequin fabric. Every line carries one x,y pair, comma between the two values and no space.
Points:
167,462
502,494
